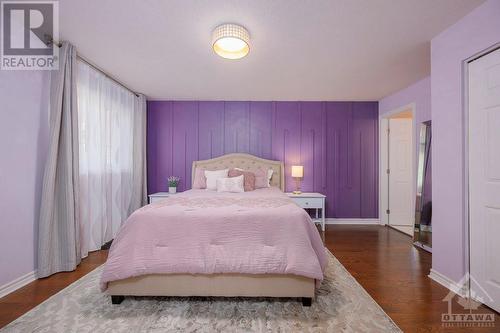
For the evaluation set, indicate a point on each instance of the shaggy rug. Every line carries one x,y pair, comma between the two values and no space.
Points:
341,305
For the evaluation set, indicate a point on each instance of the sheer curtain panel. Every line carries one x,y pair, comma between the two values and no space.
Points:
112,176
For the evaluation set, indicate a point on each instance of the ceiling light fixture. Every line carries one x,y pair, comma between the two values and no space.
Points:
231,41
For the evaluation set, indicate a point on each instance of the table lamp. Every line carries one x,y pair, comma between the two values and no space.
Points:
297,173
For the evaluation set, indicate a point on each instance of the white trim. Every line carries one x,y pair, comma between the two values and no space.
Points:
448,283
17,283
352,221
383,194
383,180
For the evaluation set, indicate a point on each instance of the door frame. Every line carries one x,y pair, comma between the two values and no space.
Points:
383,161
465,160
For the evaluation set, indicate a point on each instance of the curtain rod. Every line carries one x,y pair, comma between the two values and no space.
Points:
105,74
97,69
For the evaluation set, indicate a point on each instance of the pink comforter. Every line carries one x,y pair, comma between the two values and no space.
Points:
205,232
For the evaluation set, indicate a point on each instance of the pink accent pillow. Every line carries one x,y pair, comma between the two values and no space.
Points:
248,178
200,181
261,178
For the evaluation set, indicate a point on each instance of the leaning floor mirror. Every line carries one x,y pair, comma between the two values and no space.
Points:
422,236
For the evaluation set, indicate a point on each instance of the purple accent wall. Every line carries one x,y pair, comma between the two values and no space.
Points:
477,31
337,142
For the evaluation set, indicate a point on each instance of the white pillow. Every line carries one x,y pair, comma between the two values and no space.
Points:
212,177
233,184
269,176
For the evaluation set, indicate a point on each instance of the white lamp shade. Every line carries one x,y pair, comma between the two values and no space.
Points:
231,41
297,171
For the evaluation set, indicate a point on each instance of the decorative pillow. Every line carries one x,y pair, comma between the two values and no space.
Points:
234,184
200,181
261,178
212,177
248,178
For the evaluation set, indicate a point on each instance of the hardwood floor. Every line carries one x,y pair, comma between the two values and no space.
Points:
394,273
383,261
22,300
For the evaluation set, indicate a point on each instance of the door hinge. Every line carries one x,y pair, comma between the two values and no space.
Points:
388,211
388,171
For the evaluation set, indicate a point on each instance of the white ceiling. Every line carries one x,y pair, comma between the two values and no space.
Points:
300,50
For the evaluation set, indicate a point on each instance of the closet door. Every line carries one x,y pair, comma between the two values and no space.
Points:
484,178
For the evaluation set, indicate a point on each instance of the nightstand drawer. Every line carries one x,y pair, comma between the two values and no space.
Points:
309,202
156,199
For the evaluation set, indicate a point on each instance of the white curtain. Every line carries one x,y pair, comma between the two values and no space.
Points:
112,136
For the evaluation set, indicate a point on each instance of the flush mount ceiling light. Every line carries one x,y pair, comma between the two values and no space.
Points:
231,41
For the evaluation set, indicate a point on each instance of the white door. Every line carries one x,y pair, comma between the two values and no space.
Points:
484,178
400,174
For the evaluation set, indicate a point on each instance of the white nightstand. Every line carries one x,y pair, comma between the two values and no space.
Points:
311,200
158,196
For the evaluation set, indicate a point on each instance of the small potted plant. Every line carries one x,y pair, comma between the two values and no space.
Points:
173,181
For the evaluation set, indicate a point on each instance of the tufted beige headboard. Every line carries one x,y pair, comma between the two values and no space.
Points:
244,161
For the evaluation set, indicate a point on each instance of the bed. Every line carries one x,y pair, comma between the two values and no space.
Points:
205,243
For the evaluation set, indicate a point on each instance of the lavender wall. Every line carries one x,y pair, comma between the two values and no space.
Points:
418,93
337,142
477,31
23,146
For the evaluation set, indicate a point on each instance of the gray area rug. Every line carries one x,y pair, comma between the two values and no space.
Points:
341,305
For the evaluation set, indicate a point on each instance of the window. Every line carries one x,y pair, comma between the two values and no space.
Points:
106,118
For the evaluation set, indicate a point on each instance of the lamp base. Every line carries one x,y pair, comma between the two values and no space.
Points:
297,186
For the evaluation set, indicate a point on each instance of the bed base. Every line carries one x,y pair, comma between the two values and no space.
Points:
214,285
306,301
117,299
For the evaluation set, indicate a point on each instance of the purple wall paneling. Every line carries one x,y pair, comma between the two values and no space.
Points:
335,141
366,131
261,129
236,127
159,139
287,138
352,159
211,130
185,140
152,144
312,156
338,160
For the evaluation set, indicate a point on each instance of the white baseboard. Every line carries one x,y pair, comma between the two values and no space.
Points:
352,221
448,283
17,283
